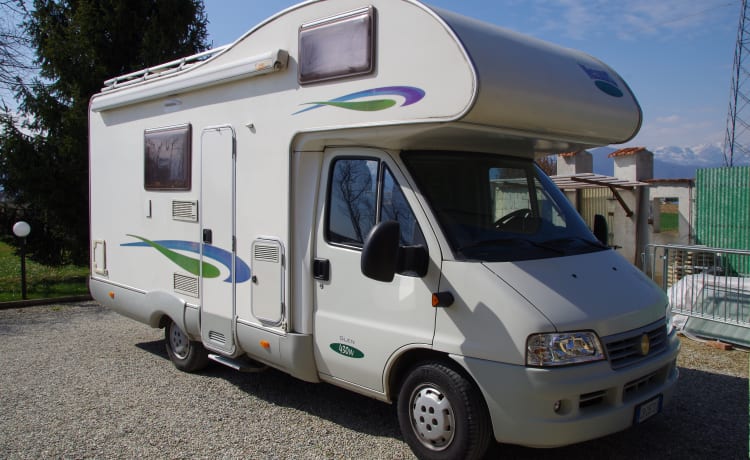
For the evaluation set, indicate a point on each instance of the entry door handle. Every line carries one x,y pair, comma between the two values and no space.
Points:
208,236
322,269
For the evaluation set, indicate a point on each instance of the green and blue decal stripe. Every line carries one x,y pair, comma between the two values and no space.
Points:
410,94
169,248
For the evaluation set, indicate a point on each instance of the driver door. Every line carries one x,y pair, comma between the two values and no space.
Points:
361,323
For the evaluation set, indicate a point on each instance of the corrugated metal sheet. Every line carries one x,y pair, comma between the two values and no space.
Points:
723,210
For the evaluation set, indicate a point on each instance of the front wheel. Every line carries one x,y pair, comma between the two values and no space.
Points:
187,355
442,415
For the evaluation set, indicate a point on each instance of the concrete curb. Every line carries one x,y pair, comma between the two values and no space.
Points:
35,302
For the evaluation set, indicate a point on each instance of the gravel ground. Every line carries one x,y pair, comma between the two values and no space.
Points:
78,381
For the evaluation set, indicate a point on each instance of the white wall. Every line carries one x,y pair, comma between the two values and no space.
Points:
684,192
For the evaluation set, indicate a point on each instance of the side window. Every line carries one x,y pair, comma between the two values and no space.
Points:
352,200
353,203
167,158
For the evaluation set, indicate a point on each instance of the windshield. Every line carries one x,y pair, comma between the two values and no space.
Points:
494,208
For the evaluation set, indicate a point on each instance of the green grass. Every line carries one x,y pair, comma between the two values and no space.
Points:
670,222
41,281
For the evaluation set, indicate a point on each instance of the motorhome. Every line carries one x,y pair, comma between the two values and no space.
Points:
348,193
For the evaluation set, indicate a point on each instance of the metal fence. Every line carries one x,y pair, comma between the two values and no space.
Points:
706,283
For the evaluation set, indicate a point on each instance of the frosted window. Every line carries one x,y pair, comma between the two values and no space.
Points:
337,47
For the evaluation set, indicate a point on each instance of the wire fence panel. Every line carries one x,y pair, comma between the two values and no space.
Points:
702,282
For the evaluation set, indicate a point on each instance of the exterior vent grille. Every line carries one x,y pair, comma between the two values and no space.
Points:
217,337
185,210
591,399
626,349
634,388
266,253
185,284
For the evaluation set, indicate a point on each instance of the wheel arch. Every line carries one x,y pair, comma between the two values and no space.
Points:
166,307
408,359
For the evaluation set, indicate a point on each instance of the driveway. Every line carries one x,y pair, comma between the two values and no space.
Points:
78,381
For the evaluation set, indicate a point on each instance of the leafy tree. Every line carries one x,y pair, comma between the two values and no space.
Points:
79,44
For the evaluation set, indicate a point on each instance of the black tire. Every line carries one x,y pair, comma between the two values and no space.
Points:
187,355
442,414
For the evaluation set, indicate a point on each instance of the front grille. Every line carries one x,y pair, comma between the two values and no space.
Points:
625,349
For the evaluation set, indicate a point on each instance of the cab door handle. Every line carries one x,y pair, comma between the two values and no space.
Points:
322,269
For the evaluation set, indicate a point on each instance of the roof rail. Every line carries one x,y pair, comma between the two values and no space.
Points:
160,70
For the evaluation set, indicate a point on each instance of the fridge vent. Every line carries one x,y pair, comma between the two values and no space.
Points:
266,253
185,210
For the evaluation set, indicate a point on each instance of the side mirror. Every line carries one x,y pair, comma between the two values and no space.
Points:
601,232
380,253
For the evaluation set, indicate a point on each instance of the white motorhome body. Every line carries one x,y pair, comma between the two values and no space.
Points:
243,199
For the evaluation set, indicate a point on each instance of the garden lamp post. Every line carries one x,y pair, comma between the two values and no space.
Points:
22,229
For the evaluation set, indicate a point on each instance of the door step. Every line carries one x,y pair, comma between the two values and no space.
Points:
242,365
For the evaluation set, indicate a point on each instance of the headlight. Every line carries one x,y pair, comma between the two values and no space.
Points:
559,349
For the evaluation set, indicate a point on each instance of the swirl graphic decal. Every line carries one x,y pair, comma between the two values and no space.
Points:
410,94
193,265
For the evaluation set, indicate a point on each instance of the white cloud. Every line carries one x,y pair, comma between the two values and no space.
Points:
631,19
674,130
668,119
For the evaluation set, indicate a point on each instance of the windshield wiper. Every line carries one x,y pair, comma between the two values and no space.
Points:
499,241
568,239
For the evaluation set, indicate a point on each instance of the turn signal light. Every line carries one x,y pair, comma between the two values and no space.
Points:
442,299
111,294
265,344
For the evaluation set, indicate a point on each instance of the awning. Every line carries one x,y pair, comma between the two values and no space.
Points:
590,180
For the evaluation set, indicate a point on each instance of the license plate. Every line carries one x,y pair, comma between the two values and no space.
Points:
648,409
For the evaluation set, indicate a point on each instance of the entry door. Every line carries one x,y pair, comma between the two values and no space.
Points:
360,323
217,214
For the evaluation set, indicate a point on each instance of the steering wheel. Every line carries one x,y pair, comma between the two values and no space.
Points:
517,215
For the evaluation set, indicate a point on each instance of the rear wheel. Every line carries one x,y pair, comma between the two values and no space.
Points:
442,415
187,355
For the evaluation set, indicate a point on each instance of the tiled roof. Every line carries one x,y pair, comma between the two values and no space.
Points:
670,181
570,154
626,151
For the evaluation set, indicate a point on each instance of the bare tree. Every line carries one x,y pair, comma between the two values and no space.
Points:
357,197
548,164
16,62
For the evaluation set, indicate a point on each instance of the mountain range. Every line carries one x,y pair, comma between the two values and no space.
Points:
671,162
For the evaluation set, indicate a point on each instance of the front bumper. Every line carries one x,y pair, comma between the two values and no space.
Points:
594,399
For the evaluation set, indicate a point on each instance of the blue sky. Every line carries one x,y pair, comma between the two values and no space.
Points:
676,55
